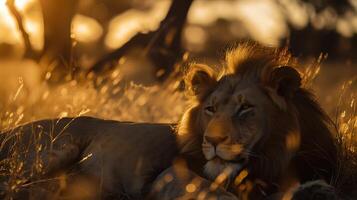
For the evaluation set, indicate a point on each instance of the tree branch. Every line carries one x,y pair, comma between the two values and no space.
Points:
162,47
29,51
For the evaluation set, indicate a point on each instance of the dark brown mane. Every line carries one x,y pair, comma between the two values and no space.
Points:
317,153
318,150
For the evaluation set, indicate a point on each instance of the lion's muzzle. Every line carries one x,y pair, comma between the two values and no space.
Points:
223,150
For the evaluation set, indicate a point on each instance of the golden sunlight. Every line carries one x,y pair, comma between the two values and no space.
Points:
8,27
34,27
86,29
32,19
22,5
127,25
262,19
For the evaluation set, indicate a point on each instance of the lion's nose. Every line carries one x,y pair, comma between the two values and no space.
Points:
215,140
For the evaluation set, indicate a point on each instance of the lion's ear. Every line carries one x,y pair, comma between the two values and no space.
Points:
200,80
284,81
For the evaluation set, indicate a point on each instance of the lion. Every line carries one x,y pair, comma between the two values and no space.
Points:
251,128
253,118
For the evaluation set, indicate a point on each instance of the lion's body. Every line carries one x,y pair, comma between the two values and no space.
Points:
123,157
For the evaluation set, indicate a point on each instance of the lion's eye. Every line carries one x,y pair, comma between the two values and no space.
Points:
245,108
210,110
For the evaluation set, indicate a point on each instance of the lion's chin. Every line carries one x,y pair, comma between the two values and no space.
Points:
213,168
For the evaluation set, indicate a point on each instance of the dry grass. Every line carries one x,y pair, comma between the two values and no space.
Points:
109,97
346,139
115,98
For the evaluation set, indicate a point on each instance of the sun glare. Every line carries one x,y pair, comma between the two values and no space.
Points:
86,29
23,4
32,19
125,26
8,28
263,19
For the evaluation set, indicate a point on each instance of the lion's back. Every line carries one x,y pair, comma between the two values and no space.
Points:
125,157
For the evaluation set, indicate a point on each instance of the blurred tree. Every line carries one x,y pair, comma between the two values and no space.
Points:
56,55
162,47
313,41
103,11
340,6
57,52
29,51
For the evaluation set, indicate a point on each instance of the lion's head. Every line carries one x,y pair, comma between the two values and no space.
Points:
250,112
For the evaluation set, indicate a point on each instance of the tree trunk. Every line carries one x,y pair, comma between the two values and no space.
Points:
57,52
